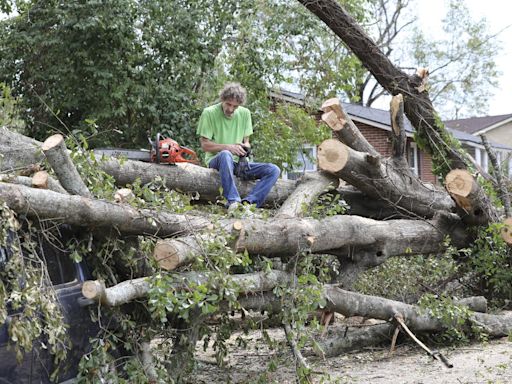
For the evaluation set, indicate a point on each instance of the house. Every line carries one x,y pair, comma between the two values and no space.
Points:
375,125
497,129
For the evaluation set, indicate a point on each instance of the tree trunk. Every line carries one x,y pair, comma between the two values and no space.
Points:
84,212
308,189
380,179
130,290
366,242
189,178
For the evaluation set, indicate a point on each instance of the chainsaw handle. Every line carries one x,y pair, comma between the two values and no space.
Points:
157,148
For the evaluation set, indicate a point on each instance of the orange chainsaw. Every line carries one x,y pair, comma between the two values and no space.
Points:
168,151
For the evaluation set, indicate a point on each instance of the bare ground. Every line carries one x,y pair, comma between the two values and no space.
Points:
489,362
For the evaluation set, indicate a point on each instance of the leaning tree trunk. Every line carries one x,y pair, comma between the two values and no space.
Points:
417,104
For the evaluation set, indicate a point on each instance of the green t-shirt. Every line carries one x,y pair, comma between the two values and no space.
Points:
214,125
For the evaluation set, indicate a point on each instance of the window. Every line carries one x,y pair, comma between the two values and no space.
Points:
306,160
413,158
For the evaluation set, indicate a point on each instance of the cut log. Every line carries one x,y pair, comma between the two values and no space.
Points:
84,212
58,157
344,128
362,240
187,178
379,179
469,197
20,151
130,290
417,105
53,185
309,187
355,304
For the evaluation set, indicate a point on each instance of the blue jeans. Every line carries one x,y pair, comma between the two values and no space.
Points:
267,174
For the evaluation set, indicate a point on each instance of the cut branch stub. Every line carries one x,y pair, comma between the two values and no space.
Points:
473,204
332,155
506,231
331,119
57,155
335,106
40,180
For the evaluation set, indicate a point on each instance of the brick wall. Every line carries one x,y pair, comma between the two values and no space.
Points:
380,139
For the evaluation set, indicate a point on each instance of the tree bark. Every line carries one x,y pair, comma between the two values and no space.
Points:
308,189
187,178
365,241
500,185
58,157
18,151
380,179
84,212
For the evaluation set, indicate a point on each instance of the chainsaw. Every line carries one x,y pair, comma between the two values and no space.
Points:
168,151
162,151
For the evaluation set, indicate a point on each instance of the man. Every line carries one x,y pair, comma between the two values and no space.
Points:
224,131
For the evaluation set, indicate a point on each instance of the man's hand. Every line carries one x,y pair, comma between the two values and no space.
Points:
236,149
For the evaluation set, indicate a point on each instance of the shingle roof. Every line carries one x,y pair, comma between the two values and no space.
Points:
381,117
475,124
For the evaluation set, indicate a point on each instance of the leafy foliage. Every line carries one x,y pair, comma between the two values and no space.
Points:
459,326
490,263
26,292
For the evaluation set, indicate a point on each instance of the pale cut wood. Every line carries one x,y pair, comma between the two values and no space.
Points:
331,119
344,128
399,138
54,148
124,195
333,104
506,232
173,253
332,156
40,180
460,182
469,197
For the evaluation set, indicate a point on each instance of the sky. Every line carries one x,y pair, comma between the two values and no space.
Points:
498,17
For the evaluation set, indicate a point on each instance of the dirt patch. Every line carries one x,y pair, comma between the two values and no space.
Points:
477,363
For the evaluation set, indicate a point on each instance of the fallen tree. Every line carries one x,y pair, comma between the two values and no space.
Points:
229,256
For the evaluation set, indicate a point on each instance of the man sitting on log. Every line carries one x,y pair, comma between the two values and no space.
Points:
224,129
